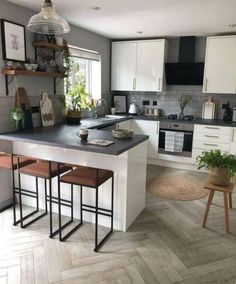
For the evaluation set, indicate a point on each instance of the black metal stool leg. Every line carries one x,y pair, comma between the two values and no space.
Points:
72,209
45,190
13,190
50,201
81,202
112,200
96,220
20,197
59,208
37,193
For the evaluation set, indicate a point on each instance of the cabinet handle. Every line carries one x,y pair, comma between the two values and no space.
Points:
208,144
211,136
134,84
159,84
206,81
211,127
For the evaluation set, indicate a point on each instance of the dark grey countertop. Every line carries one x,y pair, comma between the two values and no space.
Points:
65,136
218,122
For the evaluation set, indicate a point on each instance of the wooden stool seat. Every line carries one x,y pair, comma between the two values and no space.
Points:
227,190
7,163
86,176
41,169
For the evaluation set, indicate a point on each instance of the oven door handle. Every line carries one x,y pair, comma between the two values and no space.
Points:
185,133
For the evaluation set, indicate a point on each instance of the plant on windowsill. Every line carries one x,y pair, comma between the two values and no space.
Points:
17,116
77,99
221,166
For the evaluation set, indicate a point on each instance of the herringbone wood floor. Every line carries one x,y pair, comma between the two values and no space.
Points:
166,244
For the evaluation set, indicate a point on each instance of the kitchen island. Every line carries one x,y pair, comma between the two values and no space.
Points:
125,157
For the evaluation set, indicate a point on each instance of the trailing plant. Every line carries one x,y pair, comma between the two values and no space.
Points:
77,99
67,65
216,159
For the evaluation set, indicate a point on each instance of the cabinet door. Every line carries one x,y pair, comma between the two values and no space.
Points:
220,65
124,125
123,66
150,65
233,142
150,128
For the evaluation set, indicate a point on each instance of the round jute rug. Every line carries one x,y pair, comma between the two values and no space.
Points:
177,188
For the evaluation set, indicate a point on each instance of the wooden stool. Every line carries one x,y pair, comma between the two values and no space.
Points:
226,190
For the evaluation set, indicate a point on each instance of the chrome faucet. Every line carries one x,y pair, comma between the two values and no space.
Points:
97,107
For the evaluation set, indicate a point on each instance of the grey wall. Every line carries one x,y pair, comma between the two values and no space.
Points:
167,100
36,85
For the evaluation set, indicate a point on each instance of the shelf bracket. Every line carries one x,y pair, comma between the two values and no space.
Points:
7,83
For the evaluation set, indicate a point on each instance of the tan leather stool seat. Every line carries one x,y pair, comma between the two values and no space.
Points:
6,162
41,169
86,176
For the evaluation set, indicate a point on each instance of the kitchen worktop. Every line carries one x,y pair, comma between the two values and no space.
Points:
217,122
65,136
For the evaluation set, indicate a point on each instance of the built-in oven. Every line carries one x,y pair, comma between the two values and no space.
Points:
179,127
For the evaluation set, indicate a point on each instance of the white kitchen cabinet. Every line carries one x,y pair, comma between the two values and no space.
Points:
220,65
150,65
123,68
138,65
124,125
233,142
211,137
150,128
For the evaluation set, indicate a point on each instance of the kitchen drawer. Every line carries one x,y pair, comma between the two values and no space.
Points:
212,137
212,129
207,146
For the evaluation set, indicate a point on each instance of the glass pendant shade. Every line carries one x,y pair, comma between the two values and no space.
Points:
48,21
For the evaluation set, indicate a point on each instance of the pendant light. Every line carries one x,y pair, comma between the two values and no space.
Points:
48,21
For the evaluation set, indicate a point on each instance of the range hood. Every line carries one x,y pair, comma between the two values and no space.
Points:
185,71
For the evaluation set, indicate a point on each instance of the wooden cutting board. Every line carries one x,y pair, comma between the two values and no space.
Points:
209,109
22,101
46,109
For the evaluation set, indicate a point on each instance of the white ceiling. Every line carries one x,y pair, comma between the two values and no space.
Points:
156,18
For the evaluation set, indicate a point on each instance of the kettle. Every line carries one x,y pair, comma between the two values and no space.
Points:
134,108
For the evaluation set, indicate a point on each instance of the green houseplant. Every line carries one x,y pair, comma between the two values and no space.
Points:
77,99
221,166
17,116
183,101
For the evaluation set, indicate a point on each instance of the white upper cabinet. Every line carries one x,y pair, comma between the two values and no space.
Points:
220,65
123,68
150,65
138,65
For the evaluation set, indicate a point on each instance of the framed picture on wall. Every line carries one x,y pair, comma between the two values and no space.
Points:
13,41
120,103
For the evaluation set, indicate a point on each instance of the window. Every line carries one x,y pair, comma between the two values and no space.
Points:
86,69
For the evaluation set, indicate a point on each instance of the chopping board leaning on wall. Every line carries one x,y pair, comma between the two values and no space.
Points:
46,109
22,101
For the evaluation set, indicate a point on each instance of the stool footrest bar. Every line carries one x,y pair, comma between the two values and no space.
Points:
62,227
71,232
101,243
34,220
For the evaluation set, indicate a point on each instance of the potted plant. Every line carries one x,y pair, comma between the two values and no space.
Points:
17,116
183,101
221,166
77,99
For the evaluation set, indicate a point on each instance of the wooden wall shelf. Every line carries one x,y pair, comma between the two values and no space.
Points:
47,45
32,73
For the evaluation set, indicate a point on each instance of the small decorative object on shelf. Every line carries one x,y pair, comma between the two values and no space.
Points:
221,166
30,64
183,101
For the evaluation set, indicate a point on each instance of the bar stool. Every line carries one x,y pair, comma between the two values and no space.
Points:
92,178
46,170
227,191
10,162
